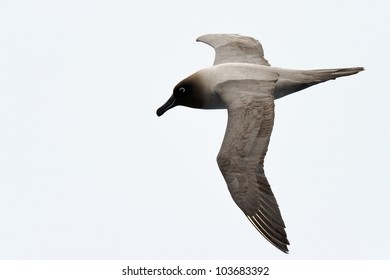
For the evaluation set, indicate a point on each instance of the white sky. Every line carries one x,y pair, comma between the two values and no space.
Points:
88,171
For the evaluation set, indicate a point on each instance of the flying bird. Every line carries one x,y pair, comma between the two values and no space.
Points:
243,82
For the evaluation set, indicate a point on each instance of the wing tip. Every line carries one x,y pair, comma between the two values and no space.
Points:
240,48
203,37
282,245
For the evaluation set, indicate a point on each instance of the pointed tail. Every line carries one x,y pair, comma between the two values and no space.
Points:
322,75
293,81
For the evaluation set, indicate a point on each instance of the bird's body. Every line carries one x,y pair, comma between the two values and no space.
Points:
286,81
242,81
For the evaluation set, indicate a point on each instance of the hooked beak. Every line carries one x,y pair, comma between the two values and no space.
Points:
168,105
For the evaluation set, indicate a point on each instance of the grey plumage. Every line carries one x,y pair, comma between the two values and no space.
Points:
241,157
230,48
243,82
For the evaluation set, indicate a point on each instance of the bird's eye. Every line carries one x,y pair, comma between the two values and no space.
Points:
182,90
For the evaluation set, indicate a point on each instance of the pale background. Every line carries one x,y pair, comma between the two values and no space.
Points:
88,171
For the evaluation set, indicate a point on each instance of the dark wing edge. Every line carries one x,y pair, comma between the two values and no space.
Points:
241,157
234,48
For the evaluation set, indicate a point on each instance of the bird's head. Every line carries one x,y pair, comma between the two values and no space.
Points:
189,92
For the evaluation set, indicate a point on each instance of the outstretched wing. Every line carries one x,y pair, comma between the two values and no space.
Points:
234,48
250,106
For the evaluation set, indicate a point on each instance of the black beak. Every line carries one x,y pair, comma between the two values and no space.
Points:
168,105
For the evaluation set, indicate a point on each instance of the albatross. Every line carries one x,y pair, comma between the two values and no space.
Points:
242,81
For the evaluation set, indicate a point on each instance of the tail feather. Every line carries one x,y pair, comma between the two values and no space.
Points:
322,75
293,81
